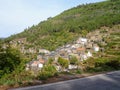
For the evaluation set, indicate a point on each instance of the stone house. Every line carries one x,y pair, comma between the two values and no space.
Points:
96,48
89,45
35,65
21,40
44,51
72,66
81,40
84,57
89,54
80,50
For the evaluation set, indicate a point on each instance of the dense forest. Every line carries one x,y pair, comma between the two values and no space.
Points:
66,27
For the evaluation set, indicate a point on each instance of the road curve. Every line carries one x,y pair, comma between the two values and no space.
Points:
109,81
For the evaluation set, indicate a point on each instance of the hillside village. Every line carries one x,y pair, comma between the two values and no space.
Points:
102,45
82,49
78,42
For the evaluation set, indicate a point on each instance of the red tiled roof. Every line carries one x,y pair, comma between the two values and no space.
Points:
42,61
35,62
80,49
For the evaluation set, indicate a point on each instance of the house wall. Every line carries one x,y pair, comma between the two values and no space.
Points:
72,67
40,65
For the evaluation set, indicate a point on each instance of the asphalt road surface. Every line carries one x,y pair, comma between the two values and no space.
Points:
109,81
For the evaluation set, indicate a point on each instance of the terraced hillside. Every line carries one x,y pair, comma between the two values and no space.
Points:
109,57
70,24
112,49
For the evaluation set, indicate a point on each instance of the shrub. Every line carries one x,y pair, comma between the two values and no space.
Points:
63,62
100,62
44,75
78,71
73,60
10,61
16,78
113,64
47,72
50,61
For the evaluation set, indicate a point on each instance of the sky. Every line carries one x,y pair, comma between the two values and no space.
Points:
17,15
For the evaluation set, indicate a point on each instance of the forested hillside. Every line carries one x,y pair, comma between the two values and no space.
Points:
70,24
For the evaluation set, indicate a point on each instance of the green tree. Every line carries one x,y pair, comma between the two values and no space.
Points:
10,59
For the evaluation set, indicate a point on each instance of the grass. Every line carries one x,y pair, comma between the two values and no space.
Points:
16,79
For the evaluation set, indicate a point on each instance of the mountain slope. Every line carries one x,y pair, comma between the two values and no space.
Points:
70,24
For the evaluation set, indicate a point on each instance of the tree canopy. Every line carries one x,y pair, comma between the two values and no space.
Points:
10,59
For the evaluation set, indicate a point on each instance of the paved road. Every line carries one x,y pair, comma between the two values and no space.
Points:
109,81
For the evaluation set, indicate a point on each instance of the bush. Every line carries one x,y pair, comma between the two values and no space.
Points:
78,71
104,65
100,62
16,78
44,75
73,60
114,64
47,72
50,61
9,82
63,62
11,60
